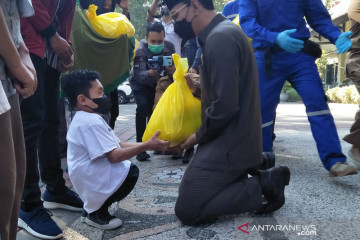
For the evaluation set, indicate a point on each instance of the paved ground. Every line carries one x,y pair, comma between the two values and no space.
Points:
316,204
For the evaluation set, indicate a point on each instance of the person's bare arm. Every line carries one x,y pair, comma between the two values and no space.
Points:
128,150
152,10
24,79
124,5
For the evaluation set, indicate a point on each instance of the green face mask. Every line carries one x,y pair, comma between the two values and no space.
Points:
155,49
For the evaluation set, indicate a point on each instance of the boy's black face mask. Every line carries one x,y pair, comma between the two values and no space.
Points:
104,104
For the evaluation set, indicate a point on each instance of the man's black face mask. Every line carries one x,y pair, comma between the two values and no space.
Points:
184,28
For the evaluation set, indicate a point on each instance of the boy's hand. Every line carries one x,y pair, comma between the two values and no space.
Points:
156,144
190,142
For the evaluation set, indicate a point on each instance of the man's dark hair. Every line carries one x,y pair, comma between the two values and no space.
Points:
77,82
207,4
154,27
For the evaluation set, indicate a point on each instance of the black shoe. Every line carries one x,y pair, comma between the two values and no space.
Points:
273,182
268,161
188,155
158,152
273,137
143,156
84,215
177,156
103,220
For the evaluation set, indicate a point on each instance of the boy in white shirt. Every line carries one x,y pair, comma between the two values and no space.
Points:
97,160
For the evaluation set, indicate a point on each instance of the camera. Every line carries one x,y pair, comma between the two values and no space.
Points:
159,62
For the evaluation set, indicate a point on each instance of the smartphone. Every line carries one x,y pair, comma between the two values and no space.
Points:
167,61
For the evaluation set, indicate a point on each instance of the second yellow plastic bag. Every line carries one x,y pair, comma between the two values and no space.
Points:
110,25
177,114
236,21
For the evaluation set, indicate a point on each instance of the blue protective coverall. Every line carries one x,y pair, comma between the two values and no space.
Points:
231,10
263,20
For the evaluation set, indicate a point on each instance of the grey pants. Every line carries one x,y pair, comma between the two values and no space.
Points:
205,194
12,168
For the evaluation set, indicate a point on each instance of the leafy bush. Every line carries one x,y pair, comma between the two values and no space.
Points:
348,94
293,95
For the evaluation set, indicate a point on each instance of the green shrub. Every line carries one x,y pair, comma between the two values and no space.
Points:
348,94
293,95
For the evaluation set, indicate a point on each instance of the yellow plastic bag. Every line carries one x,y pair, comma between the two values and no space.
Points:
177,114
110,25
237,22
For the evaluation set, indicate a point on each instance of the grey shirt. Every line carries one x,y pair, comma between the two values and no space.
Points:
230,134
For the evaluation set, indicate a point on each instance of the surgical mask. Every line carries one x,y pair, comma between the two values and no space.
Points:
104,104
155,49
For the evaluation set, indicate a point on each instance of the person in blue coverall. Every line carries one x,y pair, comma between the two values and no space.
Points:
283,52
231,10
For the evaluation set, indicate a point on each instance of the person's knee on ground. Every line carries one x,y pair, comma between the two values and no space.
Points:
186,215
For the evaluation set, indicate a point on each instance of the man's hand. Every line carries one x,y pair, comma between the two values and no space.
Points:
191,80
153,73
191,70
289,44
63,66
190,142
343,42
124,5
26,60
24,80
61,47
154,143
169,70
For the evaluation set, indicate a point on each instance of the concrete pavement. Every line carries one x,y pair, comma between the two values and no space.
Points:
317,206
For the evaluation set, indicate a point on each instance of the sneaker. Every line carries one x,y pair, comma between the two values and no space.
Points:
340,169
143,156
354,153
103,220
69,201
39,223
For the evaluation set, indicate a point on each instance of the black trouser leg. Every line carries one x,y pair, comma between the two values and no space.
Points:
40,122
114,111
145,100
125,188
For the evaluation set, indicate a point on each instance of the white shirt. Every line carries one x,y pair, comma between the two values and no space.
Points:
4,103
93,177
171,36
